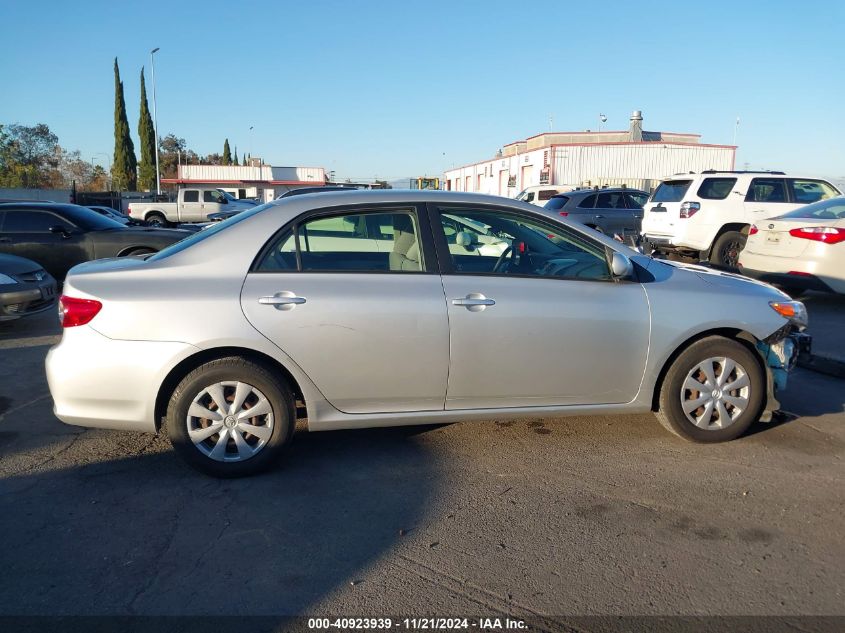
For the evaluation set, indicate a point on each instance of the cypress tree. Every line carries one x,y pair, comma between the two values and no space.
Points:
124,166
227,154
146,131
235,160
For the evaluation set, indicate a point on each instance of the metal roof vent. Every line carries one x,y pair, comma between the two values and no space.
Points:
635,133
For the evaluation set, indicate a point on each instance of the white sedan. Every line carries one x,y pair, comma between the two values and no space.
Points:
801,250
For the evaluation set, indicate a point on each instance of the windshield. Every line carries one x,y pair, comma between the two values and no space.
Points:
89,219
831,209
199,236
671,191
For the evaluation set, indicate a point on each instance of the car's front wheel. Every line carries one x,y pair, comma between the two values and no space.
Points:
712,392
230,417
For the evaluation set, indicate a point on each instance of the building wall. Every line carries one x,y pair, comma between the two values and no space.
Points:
638,165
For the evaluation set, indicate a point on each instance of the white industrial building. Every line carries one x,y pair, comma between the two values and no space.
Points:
634,157
252,181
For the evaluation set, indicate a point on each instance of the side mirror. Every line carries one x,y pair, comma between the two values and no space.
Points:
620,266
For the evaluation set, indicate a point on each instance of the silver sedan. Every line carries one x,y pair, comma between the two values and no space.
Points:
380,308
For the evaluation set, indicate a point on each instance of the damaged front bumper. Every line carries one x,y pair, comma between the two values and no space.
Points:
780,353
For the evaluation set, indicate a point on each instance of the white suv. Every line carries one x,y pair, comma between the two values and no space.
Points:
708,214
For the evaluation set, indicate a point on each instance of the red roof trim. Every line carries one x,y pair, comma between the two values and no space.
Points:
544,147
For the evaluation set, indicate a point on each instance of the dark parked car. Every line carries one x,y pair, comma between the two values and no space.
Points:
25,288
59,236
615,212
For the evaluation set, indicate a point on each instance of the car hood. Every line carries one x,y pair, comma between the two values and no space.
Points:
12,264
724,279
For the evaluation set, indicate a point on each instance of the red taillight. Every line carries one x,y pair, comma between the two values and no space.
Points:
799,273
563,213
826,234
689,209
75,312
753,230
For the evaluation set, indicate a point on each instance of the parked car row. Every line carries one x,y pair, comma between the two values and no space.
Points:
777,227
193,204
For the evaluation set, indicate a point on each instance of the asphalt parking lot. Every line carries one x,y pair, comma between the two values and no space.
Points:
570,516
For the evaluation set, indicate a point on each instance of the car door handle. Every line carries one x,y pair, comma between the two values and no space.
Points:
284,300
474,302
599,215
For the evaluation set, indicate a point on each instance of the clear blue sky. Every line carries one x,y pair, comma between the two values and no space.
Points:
394,89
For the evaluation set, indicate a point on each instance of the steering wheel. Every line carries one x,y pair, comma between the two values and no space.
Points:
502,258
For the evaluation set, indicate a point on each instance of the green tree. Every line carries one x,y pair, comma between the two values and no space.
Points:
235,160
146,132
227,154
28,155
124,166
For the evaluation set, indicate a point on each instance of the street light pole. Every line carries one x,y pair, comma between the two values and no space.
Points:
155,118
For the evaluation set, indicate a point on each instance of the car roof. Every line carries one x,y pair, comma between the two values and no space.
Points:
52,206
576,192
380,196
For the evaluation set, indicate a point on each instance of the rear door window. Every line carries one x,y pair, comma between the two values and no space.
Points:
636,199
32,221
558,202
610,200
767,190
588,203
808,191
671,191
716,188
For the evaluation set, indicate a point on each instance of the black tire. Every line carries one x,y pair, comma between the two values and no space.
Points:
157,219
670,411
231,369
727,247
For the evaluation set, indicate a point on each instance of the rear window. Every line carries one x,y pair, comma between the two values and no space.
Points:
588,203
716,188
558,202
671,191
833,209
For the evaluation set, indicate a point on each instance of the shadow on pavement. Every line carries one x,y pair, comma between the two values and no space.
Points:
147,535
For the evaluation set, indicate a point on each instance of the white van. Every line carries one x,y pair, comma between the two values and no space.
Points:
541,194
707,215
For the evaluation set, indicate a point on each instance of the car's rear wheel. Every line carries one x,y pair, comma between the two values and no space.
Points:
727,248
230,418
712,392
157,220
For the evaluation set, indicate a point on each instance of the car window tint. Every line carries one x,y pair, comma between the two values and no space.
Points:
808,191
610,200
507,243
558,202
32,221
716,188
767,190
671,191
210,195
635,200
588,203
350,242
191,195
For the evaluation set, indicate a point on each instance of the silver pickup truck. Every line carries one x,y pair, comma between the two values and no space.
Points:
192,205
